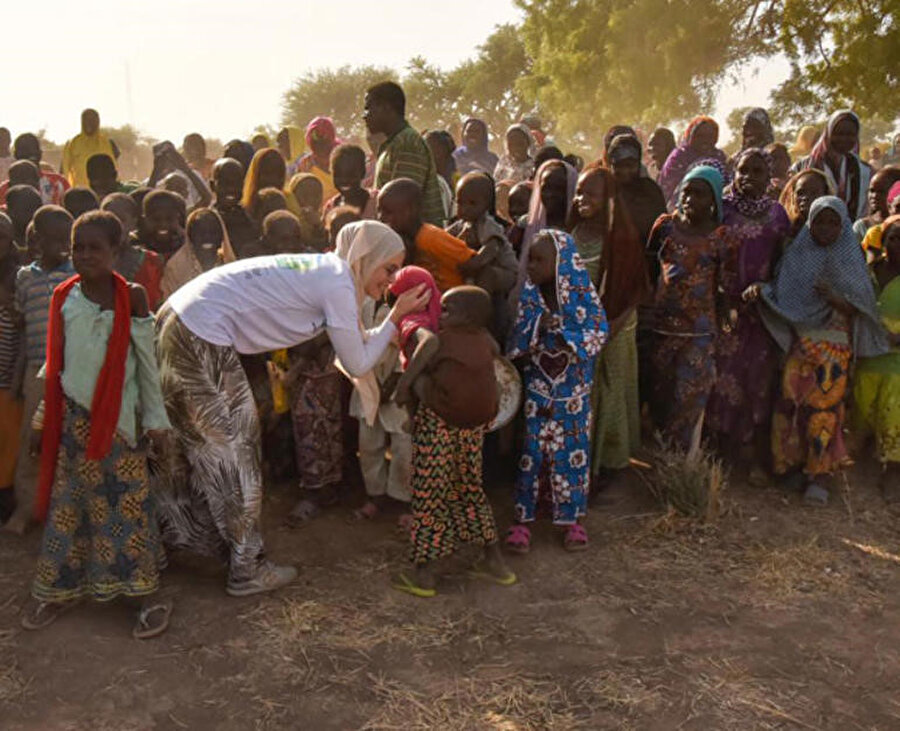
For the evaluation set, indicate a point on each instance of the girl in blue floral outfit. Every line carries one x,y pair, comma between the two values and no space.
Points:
559,331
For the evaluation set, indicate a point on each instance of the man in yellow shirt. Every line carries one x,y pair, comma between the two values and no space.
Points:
84,146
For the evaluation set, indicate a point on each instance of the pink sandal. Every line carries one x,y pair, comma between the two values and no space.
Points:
518,539
576,538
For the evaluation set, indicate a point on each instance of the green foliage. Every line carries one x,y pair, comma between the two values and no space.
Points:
600,63
844,54
336,93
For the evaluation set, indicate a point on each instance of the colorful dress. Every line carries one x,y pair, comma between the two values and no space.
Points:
808,419
101,538
683,354
559,361
746,356
876,384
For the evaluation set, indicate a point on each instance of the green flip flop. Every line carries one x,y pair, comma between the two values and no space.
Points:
478,571
404,584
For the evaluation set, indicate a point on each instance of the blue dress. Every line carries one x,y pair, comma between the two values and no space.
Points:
559,365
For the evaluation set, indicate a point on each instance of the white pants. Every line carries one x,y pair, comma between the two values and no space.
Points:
382,475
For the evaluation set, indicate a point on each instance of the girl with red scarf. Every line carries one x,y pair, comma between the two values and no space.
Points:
100,540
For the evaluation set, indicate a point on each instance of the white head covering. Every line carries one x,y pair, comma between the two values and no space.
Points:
365,246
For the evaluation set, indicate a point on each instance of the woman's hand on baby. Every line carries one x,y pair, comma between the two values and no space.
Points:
413,300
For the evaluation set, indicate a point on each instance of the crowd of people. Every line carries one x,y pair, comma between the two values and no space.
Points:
312,310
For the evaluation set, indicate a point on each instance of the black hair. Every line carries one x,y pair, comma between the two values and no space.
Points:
492,186
123,198
389,93
101,164
105,221
47,215
475,301
138,195
21,195
666,134
337,212
157,196
25,140
547,152
21,166
576,161
241,151
194,137
80,200
406,188
351,154
275,216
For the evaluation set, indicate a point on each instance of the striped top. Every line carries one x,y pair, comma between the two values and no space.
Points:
406,155
34,287
9,347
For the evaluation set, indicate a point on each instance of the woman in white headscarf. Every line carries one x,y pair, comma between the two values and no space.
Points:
210,498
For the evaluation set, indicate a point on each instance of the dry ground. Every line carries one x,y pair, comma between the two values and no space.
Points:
779,616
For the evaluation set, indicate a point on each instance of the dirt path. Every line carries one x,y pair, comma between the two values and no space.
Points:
777,617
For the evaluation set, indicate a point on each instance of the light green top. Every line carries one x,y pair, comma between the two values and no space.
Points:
87,331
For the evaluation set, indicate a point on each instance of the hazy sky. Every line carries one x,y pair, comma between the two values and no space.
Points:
175,66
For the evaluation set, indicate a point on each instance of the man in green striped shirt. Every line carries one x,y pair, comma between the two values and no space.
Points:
404,154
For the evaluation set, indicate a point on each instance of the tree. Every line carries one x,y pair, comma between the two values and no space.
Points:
432,99
336,93
843,55
596,64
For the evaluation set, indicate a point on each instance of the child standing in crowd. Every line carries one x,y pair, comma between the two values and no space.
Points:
348,164
613,254
80,200
227,184
493,268
798,196
205,245
134,262
430,247
821,310
306,204
693,250
10,343
559,330
34,287
876,385
740,405
22,202
516,164
100,538
162,223
452,377
336,219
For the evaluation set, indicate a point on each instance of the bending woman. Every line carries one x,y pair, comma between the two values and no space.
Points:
211,497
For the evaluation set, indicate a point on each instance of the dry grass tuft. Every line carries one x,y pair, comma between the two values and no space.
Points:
807,567
688,482
13,685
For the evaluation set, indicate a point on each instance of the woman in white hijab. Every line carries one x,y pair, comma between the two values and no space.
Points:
210,495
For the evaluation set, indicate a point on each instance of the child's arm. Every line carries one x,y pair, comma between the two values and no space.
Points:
427,344
486,256
154,419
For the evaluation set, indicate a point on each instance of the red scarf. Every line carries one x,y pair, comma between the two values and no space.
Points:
107,401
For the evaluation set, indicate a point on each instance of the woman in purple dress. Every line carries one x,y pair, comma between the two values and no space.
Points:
740,407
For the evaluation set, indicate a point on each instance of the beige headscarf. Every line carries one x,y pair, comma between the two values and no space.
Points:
365,246
184,265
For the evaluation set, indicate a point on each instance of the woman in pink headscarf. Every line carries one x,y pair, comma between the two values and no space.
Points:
321,139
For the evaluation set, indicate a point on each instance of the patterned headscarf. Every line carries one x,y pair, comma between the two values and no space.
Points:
761,116
792,296
712,177
580,324
746,206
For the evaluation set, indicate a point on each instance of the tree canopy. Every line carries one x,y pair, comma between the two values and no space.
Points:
584,65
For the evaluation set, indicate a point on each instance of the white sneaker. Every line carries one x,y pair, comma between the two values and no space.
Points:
268,577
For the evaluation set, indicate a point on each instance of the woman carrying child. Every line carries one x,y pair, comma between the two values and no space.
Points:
559,330
100,537
822,312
